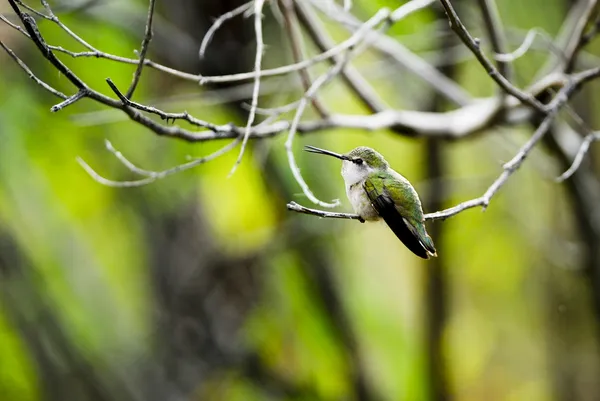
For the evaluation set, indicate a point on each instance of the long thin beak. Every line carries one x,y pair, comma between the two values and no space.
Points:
312,149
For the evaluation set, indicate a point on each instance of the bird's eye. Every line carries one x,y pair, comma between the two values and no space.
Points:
358,161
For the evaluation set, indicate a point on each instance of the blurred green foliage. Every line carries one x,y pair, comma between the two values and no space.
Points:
88,249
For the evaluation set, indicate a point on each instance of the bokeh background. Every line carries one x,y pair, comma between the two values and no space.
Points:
204,287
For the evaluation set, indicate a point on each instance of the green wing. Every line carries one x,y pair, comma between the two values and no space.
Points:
398,204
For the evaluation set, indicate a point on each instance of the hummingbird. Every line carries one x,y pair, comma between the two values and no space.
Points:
377,192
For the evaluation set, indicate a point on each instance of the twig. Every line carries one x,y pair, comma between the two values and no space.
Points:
65,28
322,80
293,206
355,81
484,200
455,124
408,8
81,94
151,176
391,48
513,165
450,125
583,149
164,115
569,35
591,34
31,74
144,49
340,48
495,33
521,50
220,21
578,34
95,53
258,31
291,25
34,33
474,45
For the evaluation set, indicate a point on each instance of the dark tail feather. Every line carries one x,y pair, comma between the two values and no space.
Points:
396,222
404,234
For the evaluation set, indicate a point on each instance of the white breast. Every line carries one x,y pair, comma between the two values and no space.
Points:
354,176
354,173
361,202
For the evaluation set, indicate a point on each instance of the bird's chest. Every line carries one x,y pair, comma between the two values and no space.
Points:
361,202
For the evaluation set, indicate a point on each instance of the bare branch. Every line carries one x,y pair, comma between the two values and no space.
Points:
363,90
220,21
521,50
392,49
290,21
380,17
583,149
578,34
495,33
568,38
322,80
293,206
258,32
31,74
151,176
79,95
55,19
144,49
509,168
473,44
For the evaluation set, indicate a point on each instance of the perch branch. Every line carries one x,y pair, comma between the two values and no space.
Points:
509,168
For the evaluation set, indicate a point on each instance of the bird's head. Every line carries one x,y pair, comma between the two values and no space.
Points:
356,164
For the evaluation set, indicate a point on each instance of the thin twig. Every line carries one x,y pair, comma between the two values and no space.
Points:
220,21
317,84
79,95
151,176
355,81
291,25
258,32
322,80
569,35
591,34
31,75
521,50
377,19
65,28
455,124
164,115
474,45
509,168
144,49
583,149
575,43
483,201
495,32
293,206
389,47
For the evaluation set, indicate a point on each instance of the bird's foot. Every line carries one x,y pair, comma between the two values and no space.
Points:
361,219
